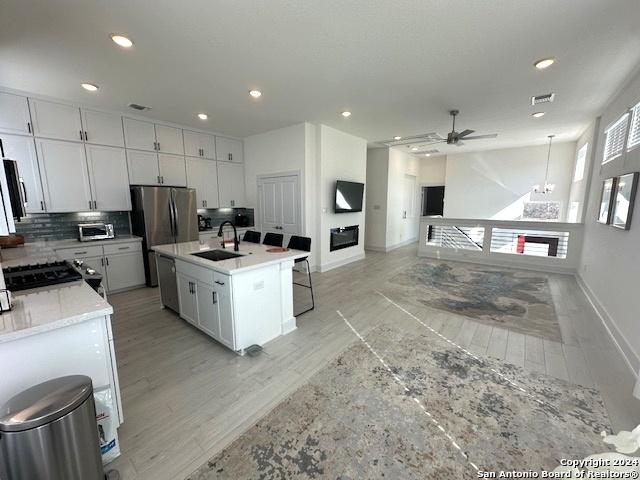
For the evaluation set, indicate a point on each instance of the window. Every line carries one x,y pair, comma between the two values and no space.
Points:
614,143
581,160
634,131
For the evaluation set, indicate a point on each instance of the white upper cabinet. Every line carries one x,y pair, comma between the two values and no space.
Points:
143,168
169,140
172,170
65,179
108,178
139,135
56,120
101,128
14,114
203,176
231,184
199,145
22,149
229,150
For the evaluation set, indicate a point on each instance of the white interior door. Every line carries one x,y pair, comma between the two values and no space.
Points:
279,205
109,178
22,149
409,197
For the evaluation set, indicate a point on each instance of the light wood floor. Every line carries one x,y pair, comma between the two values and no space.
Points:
185,397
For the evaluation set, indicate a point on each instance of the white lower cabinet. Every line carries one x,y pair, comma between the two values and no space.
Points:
124,270
120,264
187,298
208,304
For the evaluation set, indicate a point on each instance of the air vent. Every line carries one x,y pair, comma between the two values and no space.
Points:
548,98
141,108
431,152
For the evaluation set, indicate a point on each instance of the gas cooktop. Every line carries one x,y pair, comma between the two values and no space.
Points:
25,277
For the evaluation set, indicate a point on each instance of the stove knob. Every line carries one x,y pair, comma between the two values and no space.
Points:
77,262
91,271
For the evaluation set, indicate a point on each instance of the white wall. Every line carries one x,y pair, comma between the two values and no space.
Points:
376,205
579,189
610,264
493,184
433,171
289,149
340,156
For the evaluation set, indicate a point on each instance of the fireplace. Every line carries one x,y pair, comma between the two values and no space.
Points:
344,237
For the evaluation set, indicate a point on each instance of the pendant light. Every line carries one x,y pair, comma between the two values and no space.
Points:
548,187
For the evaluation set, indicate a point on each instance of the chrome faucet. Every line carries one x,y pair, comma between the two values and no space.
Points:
236,242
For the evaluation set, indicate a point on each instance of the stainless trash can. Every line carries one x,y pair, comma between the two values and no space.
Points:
49,432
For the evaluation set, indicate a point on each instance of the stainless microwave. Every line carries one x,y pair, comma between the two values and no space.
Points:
95,231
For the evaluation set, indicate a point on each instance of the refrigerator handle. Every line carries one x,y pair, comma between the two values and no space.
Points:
172,217
175,217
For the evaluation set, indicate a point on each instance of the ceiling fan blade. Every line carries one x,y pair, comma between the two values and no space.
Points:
464,133
477,137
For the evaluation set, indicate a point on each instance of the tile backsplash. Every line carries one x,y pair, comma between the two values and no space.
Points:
59,226
219,215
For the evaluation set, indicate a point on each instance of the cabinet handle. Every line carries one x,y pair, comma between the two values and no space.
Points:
155,146
107,260
80,253
102,261
90,207
86,137
158,178
41,205
29,127
95,204
230,156
162,179
81,135
158,146
124,248
205,203
233,203
215,300
219,282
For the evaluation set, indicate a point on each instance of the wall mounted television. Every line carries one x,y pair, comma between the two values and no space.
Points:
348,197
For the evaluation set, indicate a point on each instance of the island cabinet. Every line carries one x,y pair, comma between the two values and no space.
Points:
206,302
237,310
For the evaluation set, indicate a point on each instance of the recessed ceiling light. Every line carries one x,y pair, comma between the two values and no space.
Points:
544,63
537,114
255,93
121,40
415,149
89,86
427,154
346,114
397,137
203,116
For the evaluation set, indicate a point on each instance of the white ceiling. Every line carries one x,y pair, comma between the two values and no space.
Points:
398,65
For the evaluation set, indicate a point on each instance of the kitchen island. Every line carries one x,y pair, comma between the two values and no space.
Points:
241,301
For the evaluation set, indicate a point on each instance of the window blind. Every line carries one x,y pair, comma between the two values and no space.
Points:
614,143
634,131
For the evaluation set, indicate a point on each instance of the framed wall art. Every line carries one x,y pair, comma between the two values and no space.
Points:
606,204
623,199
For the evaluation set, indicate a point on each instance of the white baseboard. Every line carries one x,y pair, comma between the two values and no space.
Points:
392,247
340,263
289,326
631,359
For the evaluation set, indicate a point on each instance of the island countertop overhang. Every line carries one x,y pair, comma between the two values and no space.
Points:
253,256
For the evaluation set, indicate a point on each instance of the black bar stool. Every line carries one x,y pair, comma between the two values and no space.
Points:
304,244
273,239
251,236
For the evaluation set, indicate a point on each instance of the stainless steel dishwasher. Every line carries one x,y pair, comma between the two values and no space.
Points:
168,284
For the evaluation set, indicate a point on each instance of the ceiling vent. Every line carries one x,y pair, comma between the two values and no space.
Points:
548,98
431,152
140,108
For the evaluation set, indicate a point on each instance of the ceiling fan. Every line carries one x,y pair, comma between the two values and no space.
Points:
453,137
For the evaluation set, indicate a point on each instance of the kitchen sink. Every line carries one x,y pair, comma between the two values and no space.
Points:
217,255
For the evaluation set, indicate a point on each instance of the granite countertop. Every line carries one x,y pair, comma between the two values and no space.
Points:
47,308
254,256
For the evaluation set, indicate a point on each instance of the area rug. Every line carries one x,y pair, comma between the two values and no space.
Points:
515,300
354,420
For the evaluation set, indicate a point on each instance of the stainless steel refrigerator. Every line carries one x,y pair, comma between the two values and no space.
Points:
162,215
